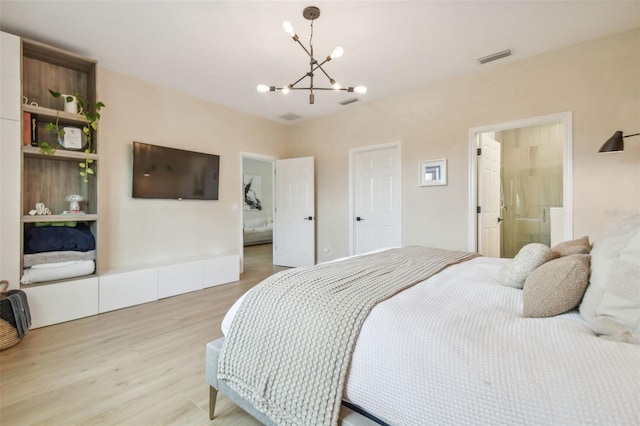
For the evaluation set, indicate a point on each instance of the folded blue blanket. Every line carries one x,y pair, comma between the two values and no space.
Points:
58,238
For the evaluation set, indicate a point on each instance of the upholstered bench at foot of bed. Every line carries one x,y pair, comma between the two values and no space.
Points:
348,417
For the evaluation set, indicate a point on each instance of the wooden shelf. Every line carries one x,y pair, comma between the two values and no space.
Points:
43,112
60,218
60,153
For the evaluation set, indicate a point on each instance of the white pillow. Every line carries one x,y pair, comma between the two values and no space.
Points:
528,258
611,304
255,223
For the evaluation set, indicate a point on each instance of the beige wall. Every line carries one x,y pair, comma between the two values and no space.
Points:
599,81
136,231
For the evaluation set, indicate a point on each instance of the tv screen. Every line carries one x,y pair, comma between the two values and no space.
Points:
161,172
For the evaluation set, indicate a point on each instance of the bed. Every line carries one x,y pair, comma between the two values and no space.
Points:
481,342
257,231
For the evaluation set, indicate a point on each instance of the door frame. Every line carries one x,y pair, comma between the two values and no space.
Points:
352,193
566,118
260,157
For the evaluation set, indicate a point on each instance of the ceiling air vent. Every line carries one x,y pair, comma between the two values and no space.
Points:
494,56
290,117
348,101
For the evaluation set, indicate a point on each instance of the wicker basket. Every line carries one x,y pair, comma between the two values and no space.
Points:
8,330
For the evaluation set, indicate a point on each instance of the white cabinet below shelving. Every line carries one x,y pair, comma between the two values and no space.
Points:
179,279
221,270
62,301
124,289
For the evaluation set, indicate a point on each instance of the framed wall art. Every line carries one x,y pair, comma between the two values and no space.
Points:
433,172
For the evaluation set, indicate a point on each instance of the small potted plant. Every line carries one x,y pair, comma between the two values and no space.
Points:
90,113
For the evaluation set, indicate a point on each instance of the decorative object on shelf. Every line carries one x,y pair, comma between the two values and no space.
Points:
73,138
40,209
74,203
90,113
433,172
33,129
615,142
311,13
25,101
71,104
26,128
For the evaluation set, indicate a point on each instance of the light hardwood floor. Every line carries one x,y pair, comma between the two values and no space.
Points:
142,365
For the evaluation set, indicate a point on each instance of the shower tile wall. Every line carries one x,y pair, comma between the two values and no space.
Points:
531,184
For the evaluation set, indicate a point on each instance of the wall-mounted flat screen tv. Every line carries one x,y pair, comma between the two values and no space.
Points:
161,172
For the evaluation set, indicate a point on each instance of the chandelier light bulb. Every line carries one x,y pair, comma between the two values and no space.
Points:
335,84
337,52
286,90
262,88
360,89
288,28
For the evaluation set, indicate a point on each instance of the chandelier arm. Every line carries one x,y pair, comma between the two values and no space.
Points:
305,49
298,81
323,71
317,88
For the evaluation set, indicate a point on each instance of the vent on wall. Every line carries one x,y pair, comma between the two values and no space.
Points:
348,101
494,56
290,117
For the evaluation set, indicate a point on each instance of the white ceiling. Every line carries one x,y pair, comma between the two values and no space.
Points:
220,50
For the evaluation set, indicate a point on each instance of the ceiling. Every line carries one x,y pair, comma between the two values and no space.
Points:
221,50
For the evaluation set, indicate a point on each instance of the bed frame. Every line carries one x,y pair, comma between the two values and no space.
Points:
348,417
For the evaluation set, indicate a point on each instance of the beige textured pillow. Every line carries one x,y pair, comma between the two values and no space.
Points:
555,287
578,246
528,258
611,304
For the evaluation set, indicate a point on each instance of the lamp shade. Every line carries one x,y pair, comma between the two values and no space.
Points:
614,143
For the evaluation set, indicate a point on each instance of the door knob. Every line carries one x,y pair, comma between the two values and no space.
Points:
500,219
308,218
359,219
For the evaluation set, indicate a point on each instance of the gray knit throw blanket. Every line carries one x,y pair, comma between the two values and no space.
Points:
291,341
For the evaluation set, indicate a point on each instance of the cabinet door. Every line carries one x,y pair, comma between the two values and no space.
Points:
180,278
221,270
128,288
64,301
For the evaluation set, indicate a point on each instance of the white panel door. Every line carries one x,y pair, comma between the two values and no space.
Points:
294,233
378,219
490,197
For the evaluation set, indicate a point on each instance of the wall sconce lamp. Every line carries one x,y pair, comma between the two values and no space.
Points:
615,142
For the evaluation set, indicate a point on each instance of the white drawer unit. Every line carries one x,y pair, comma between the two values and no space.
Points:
119,290
221,270
180,278
62,301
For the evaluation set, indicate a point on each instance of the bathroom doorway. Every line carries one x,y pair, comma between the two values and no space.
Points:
530,200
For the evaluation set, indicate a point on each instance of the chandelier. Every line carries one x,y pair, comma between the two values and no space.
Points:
311,13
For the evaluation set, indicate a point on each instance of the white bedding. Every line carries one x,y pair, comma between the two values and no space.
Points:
455,350
57,271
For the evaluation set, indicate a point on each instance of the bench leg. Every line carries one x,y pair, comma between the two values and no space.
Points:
213,393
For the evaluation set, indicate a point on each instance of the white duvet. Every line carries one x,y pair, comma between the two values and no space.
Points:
456,350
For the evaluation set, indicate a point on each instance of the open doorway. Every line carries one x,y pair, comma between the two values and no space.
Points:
520,180
257,195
